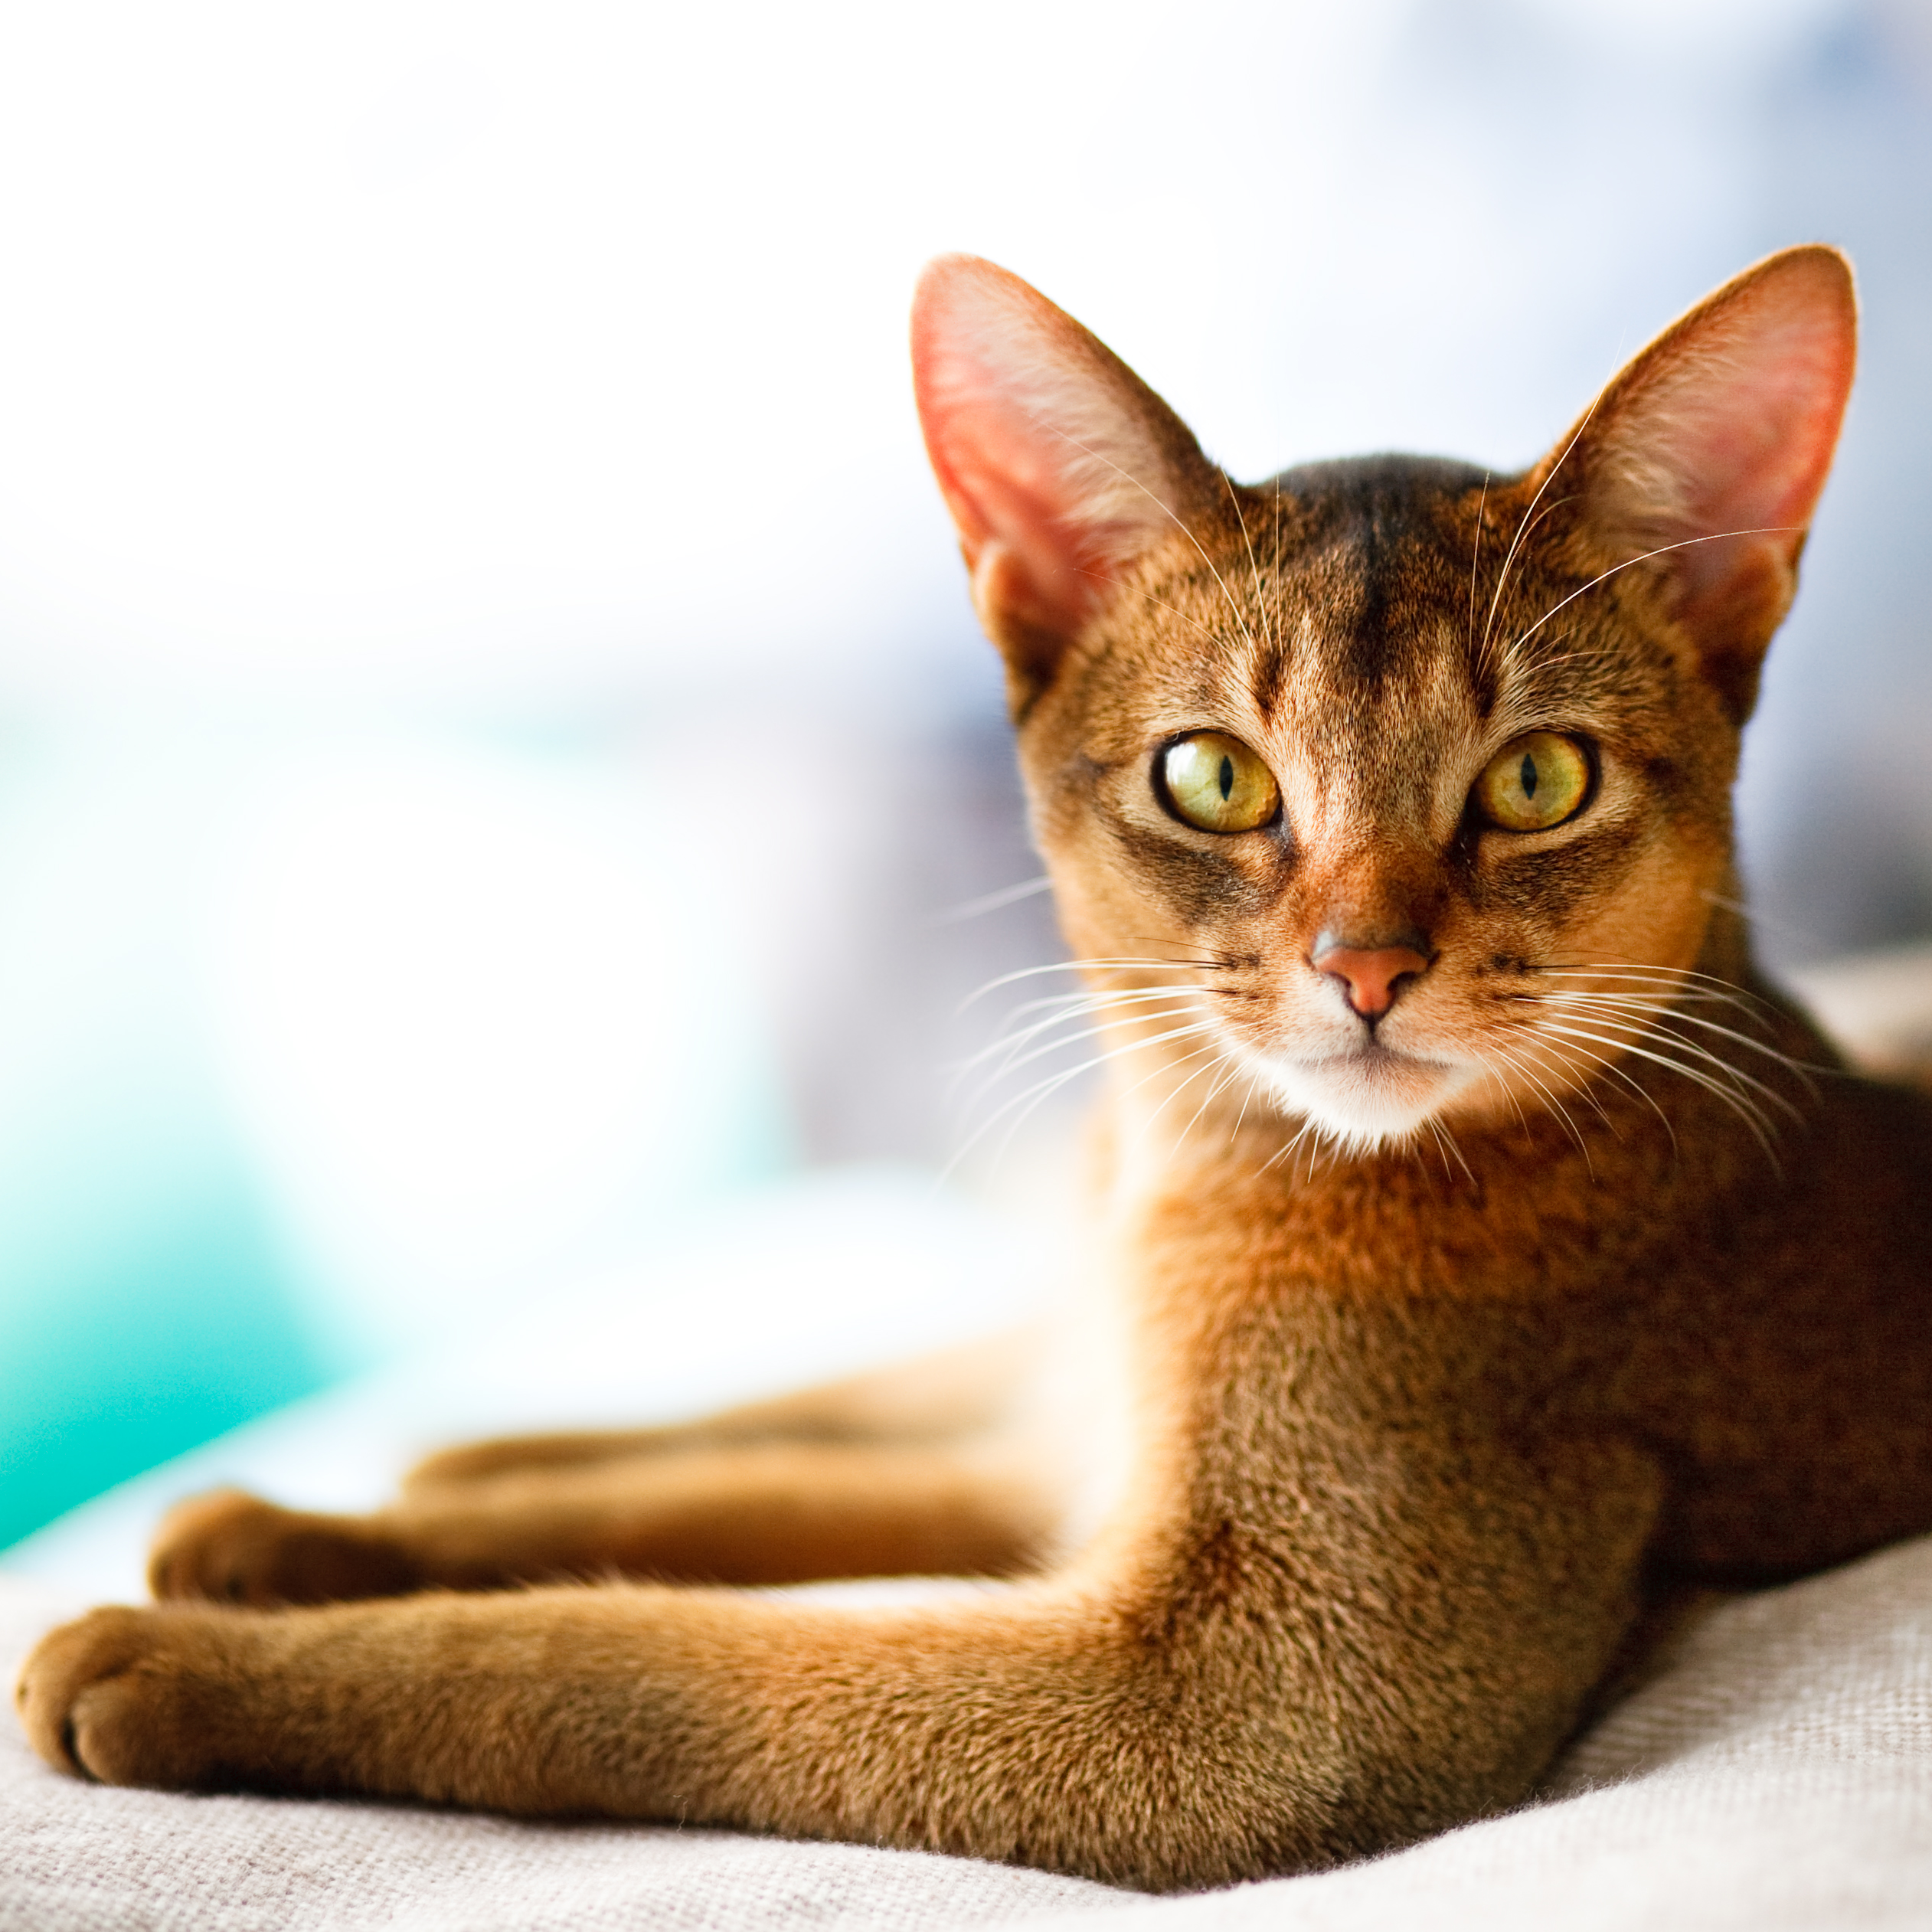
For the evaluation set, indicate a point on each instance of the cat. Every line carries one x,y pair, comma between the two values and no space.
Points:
1493,1256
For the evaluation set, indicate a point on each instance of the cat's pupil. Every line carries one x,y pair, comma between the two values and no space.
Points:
1227,776
1529,776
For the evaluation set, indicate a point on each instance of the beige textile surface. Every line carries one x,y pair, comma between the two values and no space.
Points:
1777,1772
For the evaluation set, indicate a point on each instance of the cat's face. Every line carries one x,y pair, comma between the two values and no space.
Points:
1398,791
1339,691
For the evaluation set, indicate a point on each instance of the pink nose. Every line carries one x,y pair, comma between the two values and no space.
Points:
1371,975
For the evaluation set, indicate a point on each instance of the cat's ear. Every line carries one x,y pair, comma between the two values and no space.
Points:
1711,447
1060,466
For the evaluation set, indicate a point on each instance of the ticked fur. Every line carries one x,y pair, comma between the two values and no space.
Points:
1455,1328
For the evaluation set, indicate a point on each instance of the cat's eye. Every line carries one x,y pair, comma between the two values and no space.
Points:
1214,782
1534,781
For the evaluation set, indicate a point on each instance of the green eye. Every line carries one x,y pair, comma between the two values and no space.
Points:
1534,781
1214,782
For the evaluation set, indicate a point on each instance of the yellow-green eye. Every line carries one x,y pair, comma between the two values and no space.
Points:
1214,782
1534,781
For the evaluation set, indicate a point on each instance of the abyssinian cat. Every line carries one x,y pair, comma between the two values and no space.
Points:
1523,1260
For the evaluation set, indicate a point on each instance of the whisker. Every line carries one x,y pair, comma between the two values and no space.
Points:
1309,1125
1636,968
1559,1110
1168,511
1476,559
1103,996
1798,935
1091,1000
1502,576
1753,1116
1198,1052
1007,895
1147,597
1550,1098
1071,1006
1018,1052
1529,523
1261,608
1699,1052
1508,1093
1075,966
1214,962
1222,1056
1440,1130
1033,1096
1274,580
1668,997
1715,537
1060,1013
1610,1066
1624,1003
1702,985
1248,1100
1019,1060
1132,1044
1230,1058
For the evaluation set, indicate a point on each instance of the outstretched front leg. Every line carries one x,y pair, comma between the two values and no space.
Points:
1222,1693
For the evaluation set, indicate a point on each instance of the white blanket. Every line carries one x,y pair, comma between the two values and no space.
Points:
1777,1774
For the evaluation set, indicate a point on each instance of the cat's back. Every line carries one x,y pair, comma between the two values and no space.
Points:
1783,1364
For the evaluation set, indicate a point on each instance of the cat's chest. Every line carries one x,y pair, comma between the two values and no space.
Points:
1508,1235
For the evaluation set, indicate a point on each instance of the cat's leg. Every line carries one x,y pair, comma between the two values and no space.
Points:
957,1392
761,1512
1207,1699
893,1471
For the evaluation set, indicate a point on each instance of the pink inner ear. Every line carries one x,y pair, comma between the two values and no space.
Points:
1732,425
1006,494
1040,442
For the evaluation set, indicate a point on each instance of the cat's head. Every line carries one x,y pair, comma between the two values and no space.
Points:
1411,785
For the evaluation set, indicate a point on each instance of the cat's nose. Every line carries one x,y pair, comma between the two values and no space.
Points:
1372,974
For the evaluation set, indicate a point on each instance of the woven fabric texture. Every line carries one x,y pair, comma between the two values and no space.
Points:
1776,1772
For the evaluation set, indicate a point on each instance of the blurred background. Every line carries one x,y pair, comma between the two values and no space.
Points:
495,759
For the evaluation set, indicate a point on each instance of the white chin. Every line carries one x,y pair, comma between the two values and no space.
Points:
1368,1099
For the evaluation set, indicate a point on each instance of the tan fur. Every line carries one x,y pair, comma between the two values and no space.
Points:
1441,1381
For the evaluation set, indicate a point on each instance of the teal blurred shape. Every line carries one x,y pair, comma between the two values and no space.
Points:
143,1304
127,1339
203,1217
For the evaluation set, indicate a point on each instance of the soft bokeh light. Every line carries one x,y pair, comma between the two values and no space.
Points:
514,353
482,1026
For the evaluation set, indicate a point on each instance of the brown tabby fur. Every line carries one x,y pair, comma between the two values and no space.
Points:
1427,1399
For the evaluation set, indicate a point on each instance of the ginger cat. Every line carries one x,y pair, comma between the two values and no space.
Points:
1511,1274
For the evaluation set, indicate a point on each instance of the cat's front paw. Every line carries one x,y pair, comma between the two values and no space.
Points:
229,1548
128,1696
